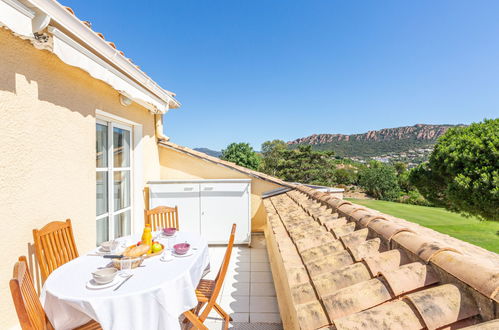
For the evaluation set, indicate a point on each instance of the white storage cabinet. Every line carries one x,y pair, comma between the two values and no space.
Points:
207,207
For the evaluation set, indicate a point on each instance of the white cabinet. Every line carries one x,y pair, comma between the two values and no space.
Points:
208,207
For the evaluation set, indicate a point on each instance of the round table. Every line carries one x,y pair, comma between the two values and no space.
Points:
153,298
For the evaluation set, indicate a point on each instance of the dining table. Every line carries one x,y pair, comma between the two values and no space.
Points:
154,297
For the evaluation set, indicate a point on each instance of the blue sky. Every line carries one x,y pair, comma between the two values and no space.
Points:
251,71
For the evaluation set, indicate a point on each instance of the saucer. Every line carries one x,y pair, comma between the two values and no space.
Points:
187,254
92,285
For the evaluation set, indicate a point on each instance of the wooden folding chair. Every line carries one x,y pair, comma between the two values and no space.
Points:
28,306
54,246
208,291
162,217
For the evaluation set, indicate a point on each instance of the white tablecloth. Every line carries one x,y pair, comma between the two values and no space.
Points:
153,298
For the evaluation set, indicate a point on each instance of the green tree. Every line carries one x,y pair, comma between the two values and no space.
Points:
380,181
242,154
305,165
272,156
462,173
400,167
345,176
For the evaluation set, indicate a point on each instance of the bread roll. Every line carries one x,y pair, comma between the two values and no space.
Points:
136,251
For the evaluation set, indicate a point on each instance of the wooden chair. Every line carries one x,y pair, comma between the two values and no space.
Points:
162,217
54,246
208,291
28,306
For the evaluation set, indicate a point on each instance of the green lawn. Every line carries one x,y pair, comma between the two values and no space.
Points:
481,233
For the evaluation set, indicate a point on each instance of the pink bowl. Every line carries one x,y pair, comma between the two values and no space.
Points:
169,231
181,248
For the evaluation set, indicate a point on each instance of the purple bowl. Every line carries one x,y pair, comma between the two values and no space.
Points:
169,231
181,248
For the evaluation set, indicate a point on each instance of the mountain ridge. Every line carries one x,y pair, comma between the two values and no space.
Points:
379,143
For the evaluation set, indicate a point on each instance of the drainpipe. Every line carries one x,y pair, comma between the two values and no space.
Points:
158,120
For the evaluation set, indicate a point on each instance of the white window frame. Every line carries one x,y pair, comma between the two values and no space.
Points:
136,176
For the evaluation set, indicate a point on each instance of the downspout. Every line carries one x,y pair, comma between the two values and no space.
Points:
158,121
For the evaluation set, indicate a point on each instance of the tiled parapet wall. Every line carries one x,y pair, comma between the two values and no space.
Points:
348,267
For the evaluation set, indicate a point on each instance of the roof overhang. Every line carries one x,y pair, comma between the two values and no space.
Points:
51,26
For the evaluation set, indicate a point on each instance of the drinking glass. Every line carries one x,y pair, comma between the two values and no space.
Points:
125,266
171,242
114,246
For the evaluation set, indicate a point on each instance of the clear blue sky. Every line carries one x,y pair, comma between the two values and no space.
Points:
251,71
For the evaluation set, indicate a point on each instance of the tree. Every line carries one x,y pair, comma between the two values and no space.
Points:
345,176
380,181
462,173
272,156
400,167
242,154
305,165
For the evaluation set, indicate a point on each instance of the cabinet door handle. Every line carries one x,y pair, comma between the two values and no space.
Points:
208,188
188,188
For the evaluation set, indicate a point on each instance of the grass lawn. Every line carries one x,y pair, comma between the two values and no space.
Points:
481,233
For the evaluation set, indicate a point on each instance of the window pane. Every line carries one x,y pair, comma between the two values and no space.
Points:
122,224
121,190
102,197
101,145
102,230
121,147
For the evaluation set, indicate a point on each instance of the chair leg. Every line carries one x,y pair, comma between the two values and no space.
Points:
221,312
194,320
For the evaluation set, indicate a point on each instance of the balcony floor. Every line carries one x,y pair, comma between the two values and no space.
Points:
248,293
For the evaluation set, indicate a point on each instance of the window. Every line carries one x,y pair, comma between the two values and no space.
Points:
113,177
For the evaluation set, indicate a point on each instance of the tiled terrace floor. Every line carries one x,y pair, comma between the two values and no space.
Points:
248,294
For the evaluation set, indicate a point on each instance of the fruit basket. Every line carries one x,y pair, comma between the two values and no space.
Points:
149,254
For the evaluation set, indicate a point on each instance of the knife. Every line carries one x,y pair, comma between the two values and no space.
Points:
113,256
126,279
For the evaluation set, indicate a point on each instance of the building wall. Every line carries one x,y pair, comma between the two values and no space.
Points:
177,165
47,151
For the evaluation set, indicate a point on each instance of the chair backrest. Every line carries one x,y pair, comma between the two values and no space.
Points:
28,307
54,246
219,280
162,217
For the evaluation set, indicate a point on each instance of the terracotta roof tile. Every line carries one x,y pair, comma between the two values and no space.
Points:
311,315
409,277
356,298
365,249
386,228
443,305
386,261
330,263
321,251
475,273
372,271
327,283
343,230
392,315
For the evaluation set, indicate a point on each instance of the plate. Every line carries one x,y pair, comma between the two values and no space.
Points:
92,285
189,253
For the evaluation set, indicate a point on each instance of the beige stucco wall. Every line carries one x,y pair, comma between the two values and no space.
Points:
177,165
47,151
